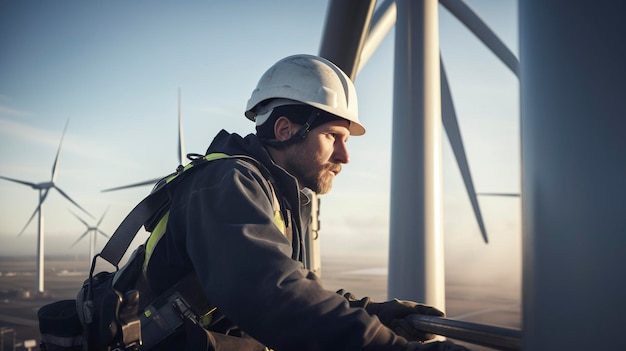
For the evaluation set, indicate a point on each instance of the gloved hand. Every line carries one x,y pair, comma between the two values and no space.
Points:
392,313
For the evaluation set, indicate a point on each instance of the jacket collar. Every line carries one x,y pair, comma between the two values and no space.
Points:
251,145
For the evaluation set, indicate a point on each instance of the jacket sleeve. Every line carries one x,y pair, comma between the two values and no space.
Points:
244,265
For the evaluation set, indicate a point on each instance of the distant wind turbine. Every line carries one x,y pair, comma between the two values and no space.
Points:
44,188
94,231
181,154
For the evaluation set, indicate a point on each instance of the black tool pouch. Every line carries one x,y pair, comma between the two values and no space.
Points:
60,327
107,306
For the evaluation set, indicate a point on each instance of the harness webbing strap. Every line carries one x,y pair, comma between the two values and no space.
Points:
116,247
162,316
119,242
159,230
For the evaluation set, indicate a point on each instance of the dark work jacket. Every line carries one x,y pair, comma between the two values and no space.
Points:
221,226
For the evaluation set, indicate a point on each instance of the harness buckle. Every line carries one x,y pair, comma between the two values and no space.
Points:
182,307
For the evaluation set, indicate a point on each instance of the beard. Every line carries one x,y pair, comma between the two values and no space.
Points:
309,170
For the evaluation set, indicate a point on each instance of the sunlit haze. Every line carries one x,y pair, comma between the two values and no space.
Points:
114,68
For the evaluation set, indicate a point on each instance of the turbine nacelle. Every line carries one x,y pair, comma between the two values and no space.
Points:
43,186
94,230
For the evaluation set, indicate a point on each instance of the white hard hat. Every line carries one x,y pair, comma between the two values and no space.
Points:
311,80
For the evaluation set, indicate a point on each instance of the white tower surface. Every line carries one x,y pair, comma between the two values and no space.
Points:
572,57
416,169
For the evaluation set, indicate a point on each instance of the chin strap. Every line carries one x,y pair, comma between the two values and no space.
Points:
300,134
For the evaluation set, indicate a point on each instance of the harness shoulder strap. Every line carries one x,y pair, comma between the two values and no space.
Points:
119,242
158,199
159,229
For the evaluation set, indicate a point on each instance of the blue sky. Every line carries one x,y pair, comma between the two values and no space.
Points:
114,68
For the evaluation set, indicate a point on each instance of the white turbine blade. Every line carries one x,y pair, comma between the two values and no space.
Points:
72,201
182,157
56,159
80,237
19,181
454,136
382,21
42,198
344,32
181,146
80,219
147,182
464,13
45,195
103,233
101,218
29,220
499,194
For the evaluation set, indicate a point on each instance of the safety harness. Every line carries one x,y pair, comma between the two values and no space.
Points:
142,318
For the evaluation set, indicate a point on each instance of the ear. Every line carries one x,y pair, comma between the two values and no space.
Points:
283,128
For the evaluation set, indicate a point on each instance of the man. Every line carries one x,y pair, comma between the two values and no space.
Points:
237,224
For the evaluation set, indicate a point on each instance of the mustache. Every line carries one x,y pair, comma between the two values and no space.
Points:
335,168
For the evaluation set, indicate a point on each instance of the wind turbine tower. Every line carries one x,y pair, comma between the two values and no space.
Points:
423,107
44,189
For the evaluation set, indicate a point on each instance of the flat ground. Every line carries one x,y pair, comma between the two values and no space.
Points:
494,303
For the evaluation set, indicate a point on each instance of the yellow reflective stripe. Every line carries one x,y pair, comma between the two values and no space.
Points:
278,221
154,238
215,156
159,230
209,157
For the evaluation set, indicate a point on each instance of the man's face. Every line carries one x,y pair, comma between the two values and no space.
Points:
317,159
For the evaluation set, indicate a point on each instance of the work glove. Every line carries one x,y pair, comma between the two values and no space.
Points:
392,313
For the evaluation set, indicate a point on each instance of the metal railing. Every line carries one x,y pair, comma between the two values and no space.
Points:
479,334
